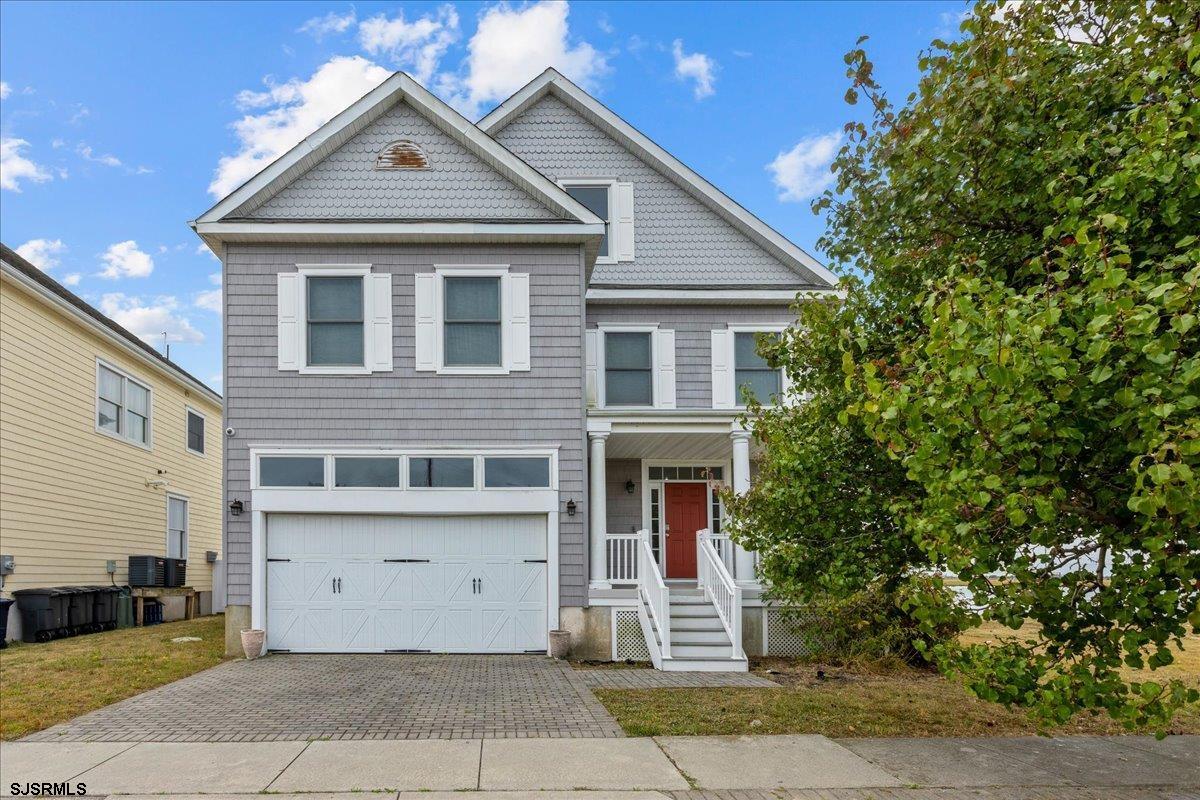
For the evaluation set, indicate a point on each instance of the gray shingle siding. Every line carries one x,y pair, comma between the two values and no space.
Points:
693,325
678,240
346,185
623,510
405,408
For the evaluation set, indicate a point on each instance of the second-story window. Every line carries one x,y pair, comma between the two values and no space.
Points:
628,369
596,200
122,406
752,374
195,432
471,332
335,321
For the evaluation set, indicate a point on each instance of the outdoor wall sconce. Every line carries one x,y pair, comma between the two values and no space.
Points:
570,508
235,508
629,487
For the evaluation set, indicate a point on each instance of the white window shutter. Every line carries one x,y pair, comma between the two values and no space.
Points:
664,368
288,287
426,316
379,322
622,231
591,367
516,321
722,369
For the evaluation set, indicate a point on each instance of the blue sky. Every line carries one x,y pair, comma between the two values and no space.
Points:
120,122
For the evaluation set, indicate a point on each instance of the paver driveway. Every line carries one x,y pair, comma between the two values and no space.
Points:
300,697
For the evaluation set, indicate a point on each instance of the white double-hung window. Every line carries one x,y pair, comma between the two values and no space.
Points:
739,370
472,320
630,366
612,201
335,319
123,405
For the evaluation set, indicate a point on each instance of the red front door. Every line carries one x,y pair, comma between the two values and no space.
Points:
687,512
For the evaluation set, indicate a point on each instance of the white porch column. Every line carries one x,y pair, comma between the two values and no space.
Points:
743,560
598,508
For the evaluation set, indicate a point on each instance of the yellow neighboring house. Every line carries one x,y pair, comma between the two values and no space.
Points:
107,449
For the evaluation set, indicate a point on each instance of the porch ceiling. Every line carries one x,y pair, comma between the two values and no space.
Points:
645,444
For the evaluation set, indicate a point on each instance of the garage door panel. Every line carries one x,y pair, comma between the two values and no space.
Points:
476,593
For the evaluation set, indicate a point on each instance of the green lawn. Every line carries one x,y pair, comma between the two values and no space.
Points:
44,684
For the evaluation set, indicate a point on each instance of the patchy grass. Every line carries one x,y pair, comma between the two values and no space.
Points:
44,684
611,665
867,700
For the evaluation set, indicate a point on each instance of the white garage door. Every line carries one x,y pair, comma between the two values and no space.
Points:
346,583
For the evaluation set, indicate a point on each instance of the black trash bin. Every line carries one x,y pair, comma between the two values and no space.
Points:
80,611
5,603
104,608
44,613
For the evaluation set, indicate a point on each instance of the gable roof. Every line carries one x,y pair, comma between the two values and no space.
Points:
49,289
220,223
554,83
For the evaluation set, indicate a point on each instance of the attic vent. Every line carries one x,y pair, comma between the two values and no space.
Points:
402,155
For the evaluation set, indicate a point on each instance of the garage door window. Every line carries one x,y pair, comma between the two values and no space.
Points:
292,471
368,473
441,473
504,473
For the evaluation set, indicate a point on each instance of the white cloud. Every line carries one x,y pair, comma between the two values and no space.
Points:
15,167
204,250
5,90
149,320
512,46
211,300
696,67
292,111
215,380
215,278
125,260
803,171
605,24
72,279
333,22
86,152
42,253
417,46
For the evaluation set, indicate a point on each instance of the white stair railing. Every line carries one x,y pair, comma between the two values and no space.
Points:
724,547
622,552
656,600
714,578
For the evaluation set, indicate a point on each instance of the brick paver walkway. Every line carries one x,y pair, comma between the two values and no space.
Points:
299,697
657,679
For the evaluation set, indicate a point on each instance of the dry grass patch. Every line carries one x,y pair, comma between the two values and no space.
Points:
45,684
870,700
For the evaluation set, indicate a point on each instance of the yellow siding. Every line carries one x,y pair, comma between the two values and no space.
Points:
72,498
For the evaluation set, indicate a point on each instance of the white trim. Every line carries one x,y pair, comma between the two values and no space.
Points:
601,365
306,271
752,328
187,523
187,444
399,231
122,421
709,296
371,106
610,223
551,81
443,271
96,326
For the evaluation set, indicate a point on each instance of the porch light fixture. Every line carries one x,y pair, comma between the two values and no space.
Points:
630,487
570,508
235,508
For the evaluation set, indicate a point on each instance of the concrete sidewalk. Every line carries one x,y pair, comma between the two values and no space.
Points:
683,768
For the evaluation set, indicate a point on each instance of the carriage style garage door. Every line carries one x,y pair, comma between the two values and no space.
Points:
348,583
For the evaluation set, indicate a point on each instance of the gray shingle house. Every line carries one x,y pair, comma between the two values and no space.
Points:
480,385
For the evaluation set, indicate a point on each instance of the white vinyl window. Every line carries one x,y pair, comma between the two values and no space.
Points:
612,201
177,527
335,319
123,405
472,320
630,366
596,198
471,332
753,376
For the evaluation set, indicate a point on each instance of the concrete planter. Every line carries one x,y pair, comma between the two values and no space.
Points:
560,644
252,641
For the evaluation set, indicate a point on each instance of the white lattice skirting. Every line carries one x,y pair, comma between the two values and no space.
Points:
629,644
791,634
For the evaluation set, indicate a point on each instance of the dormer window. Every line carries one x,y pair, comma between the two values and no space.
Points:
402,154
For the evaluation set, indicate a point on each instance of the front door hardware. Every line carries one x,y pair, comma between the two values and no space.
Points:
535,561
276,560
406,561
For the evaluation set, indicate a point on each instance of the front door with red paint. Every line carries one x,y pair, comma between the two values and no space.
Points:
687,513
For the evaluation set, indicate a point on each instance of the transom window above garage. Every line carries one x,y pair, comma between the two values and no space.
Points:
413,471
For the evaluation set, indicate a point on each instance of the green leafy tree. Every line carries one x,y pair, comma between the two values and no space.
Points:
1010,395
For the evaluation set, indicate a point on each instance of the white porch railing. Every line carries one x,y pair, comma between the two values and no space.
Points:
622,552
655,605
714,577
724,547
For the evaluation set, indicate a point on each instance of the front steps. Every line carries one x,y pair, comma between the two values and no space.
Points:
699,642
